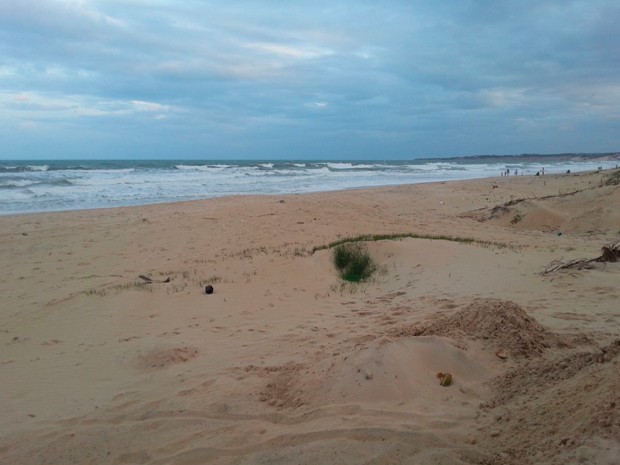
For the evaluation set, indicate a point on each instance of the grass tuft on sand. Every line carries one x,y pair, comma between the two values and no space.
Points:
353,262
613,179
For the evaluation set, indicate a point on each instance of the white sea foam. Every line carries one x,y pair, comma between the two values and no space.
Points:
16,183
38,167
93,185
201,167
349,166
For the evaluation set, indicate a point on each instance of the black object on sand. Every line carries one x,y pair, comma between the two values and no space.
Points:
209,289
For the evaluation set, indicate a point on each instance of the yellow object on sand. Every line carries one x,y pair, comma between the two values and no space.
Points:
446,380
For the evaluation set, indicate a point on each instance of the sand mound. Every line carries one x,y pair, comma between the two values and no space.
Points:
588,211
537,216
280,391
162,358
503,322
382,372
564,410
538,376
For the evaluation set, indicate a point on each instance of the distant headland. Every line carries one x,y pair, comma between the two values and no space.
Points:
531,157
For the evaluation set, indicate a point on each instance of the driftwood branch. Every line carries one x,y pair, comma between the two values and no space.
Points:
609,254
150,280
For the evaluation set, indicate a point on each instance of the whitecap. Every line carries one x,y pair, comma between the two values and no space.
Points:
350,166
37,167
16,183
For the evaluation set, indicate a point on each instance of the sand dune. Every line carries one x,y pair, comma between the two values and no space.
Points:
587,209
286,363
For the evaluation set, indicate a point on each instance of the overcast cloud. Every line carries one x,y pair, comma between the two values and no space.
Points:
333,79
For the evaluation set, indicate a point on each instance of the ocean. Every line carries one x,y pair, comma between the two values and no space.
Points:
57,185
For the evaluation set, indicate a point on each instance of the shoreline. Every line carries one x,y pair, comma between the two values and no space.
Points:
65,186
285,361
361,188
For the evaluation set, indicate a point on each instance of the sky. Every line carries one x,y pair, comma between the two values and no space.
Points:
307,79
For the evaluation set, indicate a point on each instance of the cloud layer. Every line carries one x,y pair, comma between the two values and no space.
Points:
241,79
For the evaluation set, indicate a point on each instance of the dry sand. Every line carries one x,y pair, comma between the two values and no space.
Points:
284,363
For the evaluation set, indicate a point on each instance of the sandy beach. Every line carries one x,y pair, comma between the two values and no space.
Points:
285,363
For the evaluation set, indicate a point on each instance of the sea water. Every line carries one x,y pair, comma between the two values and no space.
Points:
56,185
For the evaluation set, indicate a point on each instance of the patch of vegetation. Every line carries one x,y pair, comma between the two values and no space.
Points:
518,217
210,280
353,262
300,252
397,236
120,288
613,179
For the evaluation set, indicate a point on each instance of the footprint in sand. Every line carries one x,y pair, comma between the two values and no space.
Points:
161,358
